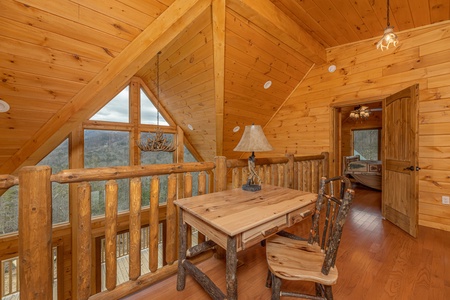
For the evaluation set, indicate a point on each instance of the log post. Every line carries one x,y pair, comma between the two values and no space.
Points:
153,225
201,191
221,173
171,219
187,194
35,230
326,164
290,171
82,271
111,234
135,228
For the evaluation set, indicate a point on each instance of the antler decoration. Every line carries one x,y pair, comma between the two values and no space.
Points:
157,143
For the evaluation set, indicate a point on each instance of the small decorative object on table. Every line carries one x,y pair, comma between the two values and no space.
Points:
253,140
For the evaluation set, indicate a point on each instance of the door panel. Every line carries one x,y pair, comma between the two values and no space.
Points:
400,181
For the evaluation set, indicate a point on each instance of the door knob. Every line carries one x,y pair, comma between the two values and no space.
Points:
417,168
411,168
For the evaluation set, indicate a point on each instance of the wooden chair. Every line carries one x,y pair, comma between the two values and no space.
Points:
291,258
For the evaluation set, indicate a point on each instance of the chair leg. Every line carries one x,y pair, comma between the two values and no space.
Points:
269,279
276,287
328,292
319,289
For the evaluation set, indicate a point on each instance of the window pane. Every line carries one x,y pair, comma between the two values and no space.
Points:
9,210
58,160
149,158
103,148
366,144
117,110
149,112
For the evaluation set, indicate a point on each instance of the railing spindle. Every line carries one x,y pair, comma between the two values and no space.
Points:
111,234
135,228
153,224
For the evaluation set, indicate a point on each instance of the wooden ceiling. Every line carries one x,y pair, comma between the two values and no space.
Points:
62,60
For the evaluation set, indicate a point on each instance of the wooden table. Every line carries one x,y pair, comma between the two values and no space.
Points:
235,220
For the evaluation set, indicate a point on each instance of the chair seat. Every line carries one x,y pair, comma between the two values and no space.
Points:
297,260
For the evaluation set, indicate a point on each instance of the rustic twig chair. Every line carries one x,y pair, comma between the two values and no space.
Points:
291,258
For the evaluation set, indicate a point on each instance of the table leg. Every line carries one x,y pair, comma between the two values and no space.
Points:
231,262
181,276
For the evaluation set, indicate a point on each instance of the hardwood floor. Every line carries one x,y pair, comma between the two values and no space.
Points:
376,260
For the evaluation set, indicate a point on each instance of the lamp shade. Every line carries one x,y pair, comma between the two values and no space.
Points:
253,140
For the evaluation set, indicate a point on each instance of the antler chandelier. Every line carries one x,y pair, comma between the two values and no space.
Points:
156,141
389,37
360,113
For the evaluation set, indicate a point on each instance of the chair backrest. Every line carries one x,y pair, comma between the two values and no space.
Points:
332,207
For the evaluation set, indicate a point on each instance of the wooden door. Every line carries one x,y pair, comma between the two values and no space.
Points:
400,159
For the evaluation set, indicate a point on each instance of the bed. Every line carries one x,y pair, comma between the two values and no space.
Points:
366,172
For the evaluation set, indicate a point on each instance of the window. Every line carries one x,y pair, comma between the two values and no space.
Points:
117,110
58,160
104,148
366,143
149,158
149,113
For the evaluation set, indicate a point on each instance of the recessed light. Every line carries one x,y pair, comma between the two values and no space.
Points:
4,107
236,129
332,68
268,84
190,127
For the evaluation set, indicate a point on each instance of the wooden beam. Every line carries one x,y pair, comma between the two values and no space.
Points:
268,17
218,24
111,80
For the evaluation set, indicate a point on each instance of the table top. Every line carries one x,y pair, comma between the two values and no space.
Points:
235,211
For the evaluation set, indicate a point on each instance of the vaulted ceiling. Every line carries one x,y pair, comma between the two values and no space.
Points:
62,60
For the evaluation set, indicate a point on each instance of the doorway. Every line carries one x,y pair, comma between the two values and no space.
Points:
350,129
399,159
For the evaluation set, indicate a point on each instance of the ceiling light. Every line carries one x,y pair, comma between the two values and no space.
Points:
360,113
190,127
236,129
4,107
332,68
389,37
268,84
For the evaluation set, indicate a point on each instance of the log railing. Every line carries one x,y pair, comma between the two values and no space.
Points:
300,173
36,236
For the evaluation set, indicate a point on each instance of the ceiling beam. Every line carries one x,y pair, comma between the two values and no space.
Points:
218,23
108,82
267,16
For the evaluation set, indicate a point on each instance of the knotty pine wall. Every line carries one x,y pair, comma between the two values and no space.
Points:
303,125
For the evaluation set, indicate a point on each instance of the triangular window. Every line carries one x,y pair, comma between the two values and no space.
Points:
117,110
149,113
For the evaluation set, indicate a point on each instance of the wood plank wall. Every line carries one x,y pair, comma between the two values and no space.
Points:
186,70
303,125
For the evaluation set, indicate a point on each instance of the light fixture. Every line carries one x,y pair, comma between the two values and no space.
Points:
389,37
360,113
332,68
268,84
4,106
156,142
253,140
236,129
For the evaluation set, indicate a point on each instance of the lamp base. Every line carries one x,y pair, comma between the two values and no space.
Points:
251,187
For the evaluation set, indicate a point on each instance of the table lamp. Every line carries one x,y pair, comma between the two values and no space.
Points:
253,140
